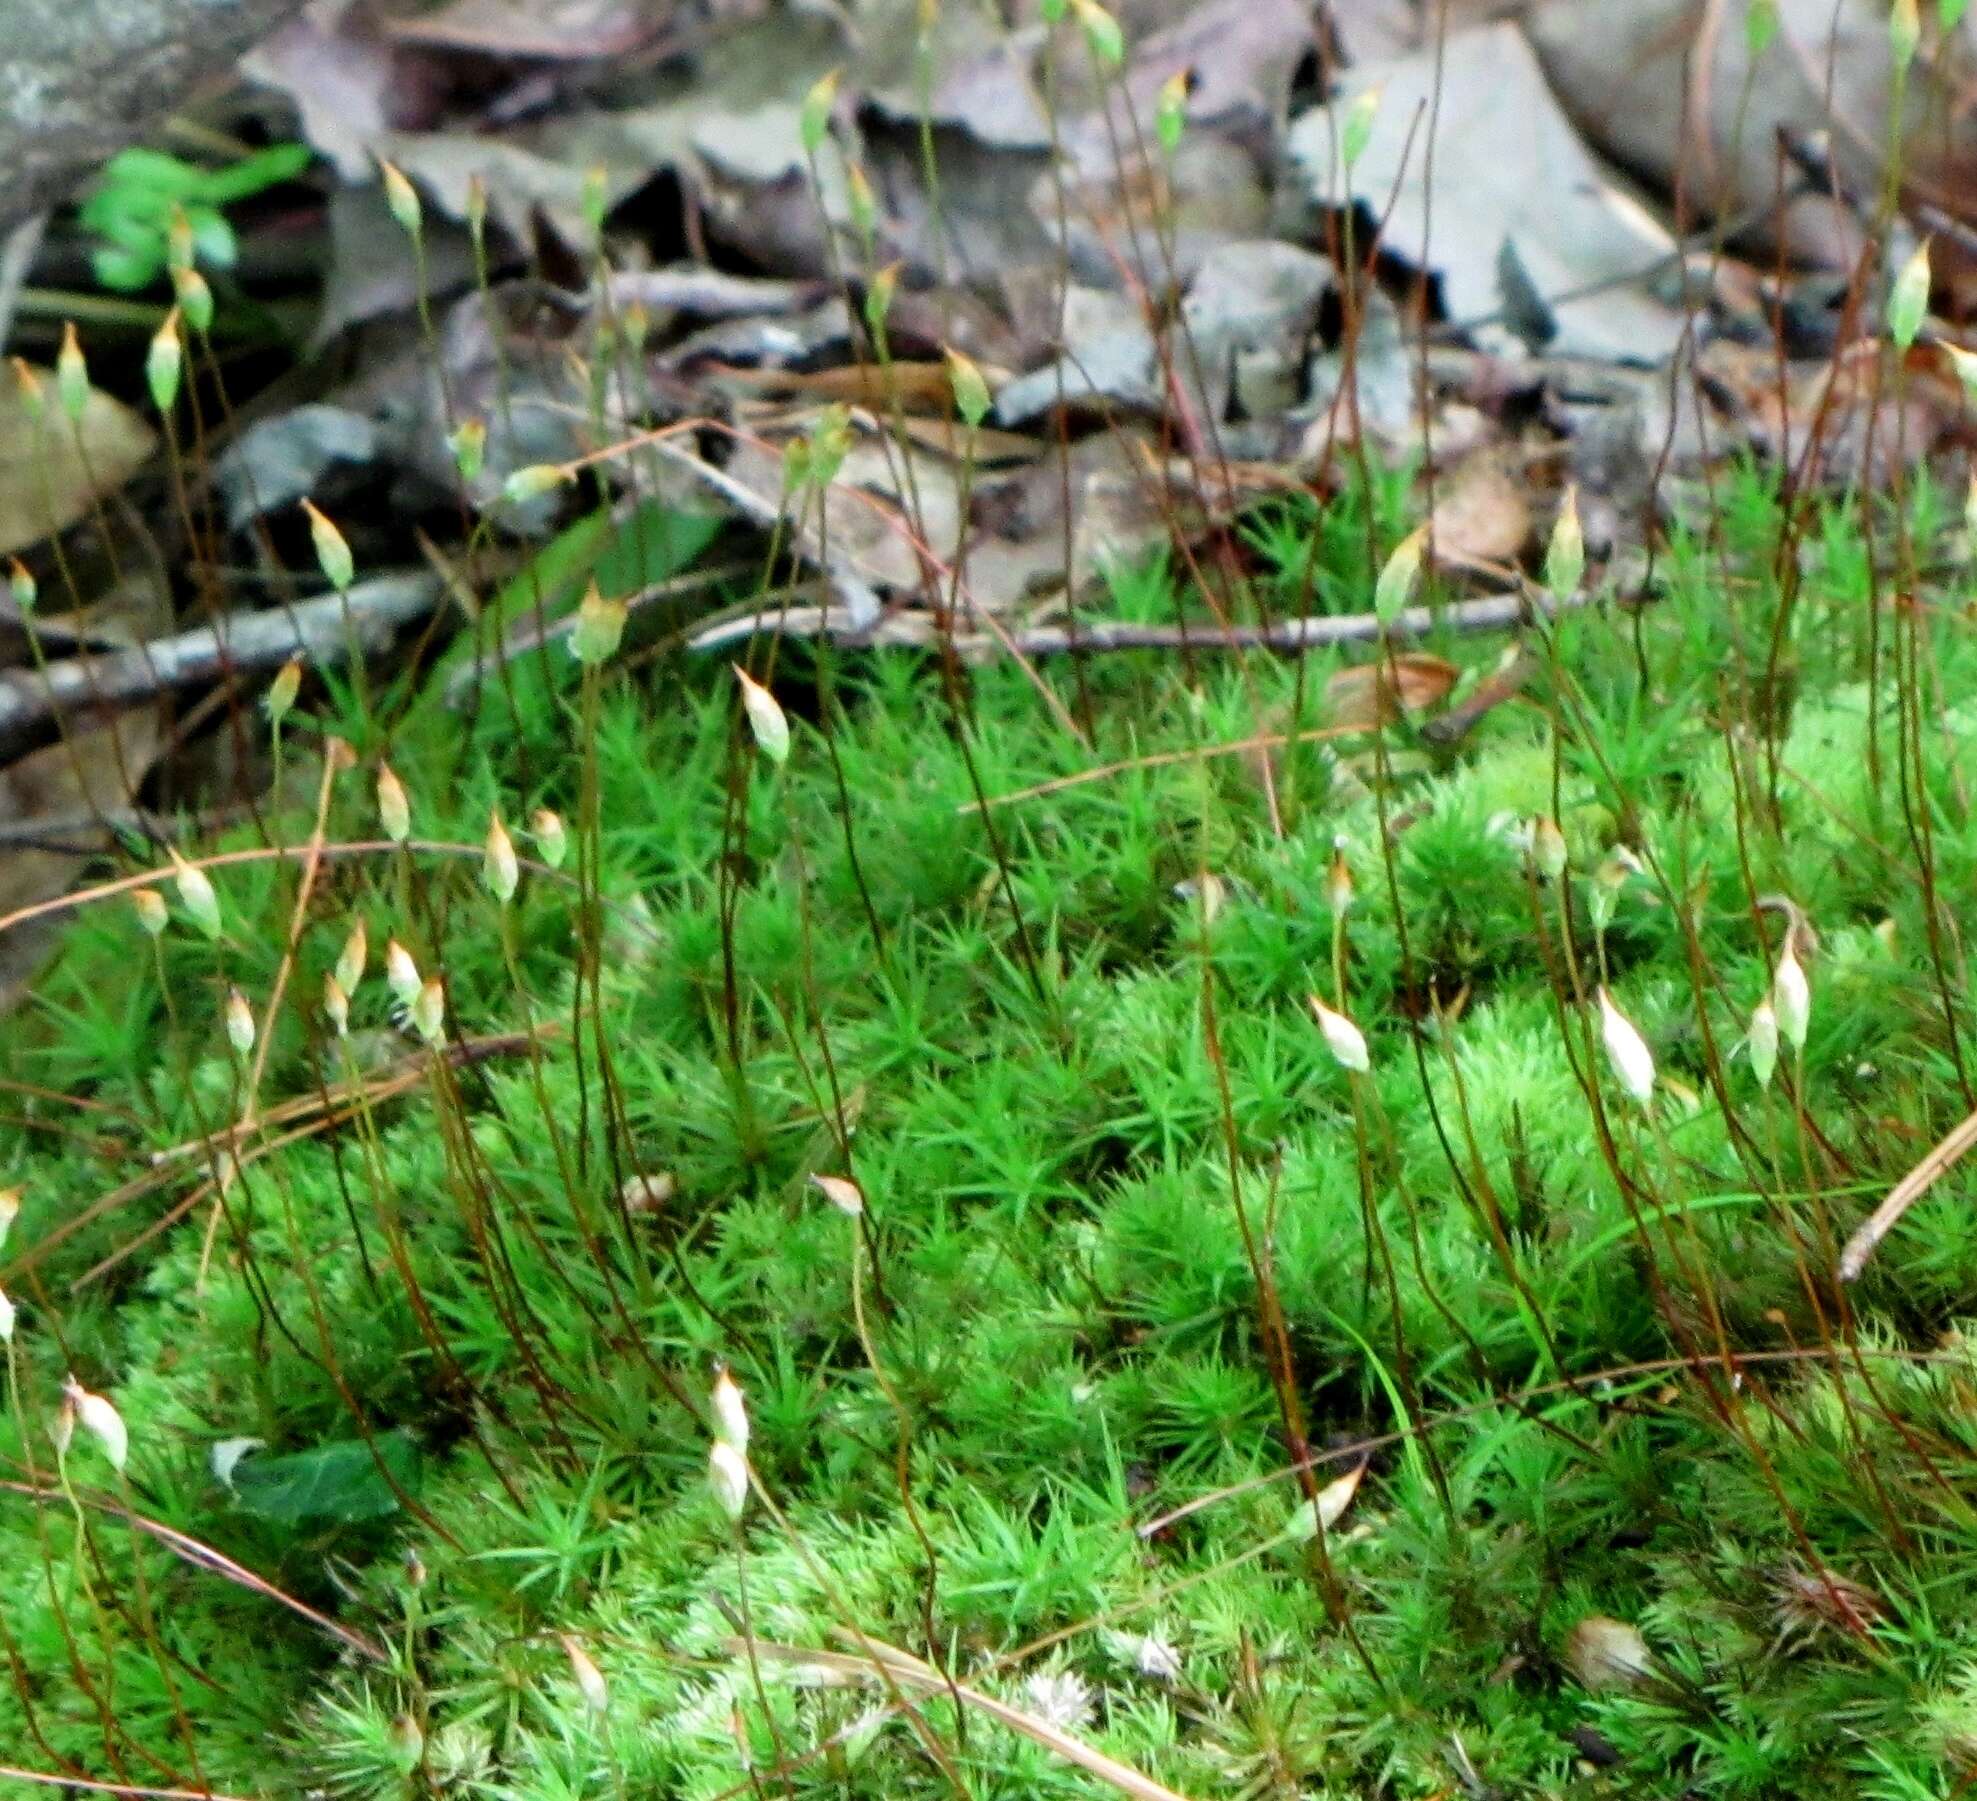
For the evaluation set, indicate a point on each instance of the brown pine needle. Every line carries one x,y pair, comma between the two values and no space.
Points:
1161,760
1905,1193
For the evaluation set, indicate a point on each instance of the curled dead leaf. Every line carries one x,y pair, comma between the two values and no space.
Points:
648,1193
53,471
1370,694
918,387
1607,1653
1481,514
71,785
1329,1508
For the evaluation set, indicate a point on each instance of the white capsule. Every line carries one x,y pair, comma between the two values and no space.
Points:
350,961
500,870
1345,1040
240,1022
151,911
550,838
401,974
429,1011
196,894
100,1420
766,719
590,1679
394,810
1791,996
1626,1050
730,1412
727,1475
1762,1039
1548,848
842,1193
1338,881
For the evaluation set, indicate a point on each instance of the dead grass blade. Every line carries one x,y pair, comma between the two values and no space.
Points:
909,1671
46,1779
318,1113
1905,1193
203,1556
1158,760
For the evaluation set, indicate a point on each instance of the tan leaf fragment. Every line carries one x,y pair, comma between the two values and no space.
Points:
52,472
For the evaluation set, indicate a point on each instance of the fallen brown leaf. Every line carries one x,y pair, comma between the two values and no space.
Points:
52,472
922,387
555,30
1481,515
1370,694
1606,1653
90,772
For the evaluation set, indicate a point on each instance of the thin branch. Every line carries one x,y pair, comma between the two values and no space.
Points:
295,853
1493,612
46,1779
315,630
920,630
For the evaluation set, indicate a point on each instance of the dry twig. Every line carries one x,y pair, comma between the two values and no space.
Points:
315,630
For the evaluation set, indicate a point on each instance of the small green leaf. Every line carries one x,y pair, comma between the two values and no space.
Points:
1905,31
878,302
766,719
332,548
195,299
339,1483
971,394
862,204
1356,129
157,170
401,199
254,174
815,122
1400,576
532,481
213,239
1170,111
1565,557
1760,26
1908,299
1102,33
164,362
